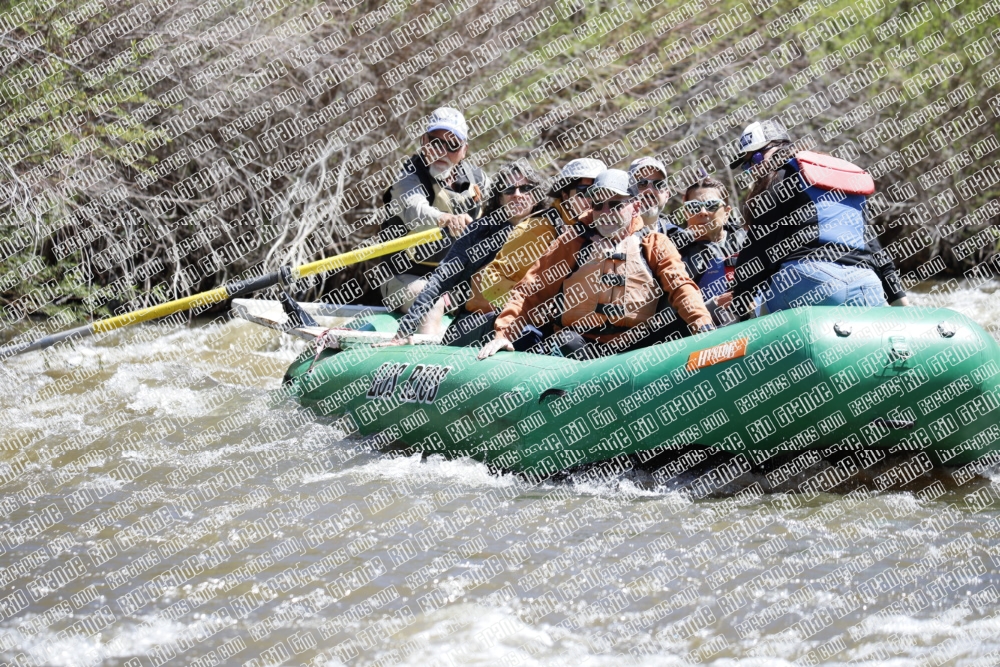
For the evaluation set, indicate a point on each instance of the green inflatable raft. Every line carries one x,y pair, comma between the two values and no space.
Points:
810,378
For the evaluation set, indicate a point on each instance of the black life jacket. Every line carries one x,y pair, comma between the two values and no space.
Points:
710,265
421,260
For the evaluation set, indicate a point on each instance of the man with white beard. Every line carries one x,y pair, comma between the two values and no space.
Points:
437,187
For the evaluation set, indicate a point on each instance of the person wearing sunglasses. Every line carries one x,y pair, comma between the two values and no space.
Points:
436,187
709,244
806,214
492,255
596,292
570,204
654,192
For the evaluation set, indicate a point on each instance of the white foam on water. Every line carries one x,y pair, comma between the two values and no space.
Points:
476,635
937,629
48,417
312,478
173,401
101,481
470,634
193,338
979,304
286,348
614,488
946,638
203,458
875,661
466,472
762,661
901,503
128,377
783,651
992,473
279,346
46,648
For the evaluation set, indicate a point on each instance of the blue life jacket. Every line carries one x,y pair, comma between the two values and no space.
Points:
705,261
713,281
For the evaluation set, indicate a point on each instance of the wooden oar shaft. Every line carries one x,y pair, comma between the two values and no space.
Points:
230,290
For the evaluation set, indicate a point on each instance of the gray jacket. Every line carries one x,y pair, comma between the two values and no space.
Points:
416,211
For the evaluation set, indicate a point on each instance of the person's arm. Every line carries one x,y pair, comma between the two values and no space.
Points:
669,269
684,242
415,208
458,265
753,266
715,307
881,262
535,236
534,289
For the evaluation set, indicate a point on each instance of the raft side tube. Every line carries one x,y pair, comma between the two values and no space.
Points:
819,377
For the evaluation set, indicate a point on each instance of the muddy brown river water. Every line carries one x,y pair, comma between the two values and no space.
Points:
161,506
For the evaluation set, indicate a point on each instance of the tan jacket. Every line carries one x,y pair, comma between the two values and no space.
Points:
527,242
613,286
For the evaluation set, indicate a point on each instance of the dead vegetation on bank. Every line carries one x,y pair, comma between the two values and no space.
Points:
153,149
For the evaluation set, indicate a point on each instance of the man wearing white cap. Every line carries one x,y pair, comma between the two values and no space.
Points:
436,188
651,179
602,286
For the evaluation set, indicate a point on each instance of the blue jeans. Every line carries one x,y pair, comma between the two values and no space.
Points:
808,283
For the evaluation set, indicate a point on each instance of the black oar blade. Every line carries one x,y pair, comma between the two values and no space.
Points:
297,317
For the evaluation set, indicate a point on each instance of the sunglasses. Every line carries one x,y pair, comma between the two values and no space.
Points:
753,161
659,183
514,189
440,145
613,206
695,206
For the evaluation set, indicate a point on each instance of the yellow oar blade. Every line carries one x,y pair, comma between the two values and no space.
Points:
369,252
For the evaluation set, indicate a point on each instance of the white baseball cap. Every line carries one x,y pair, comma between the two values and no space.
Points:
583,167
639,163
757,135
450,119
615,182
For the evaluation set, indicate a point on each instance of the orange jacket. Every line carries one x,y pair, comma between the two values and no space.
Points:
544,280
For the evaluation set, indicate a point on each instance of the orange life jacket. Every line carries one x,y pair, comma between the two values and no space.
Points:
614,289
